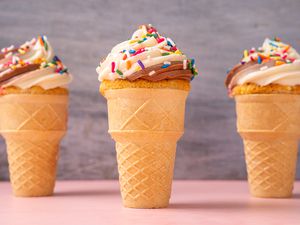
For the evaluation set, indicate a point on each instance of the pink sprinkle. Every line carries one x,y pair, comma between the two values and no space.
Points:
252,50
151,30
138,51
113,66
173,48
159,40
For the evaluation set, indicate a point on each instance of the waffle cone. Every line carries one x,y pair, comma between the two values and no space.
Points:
32,126
146,125
270,127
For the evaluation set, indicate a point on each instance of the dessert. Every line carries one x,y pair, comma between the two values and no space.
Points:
33,115
146,81
266,88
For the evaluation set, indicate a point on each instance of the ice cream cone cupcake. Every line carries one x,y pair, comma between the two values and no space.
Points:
266,88
146,81
33,114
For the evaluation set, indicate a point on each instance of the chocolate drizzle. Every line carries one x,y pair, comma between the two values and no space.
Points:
248,67
174,71
18,71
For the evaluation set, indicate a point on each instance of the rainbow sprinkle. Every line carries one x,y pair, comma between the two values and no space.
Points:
152,73
277,51
259,61
166,65
113,66
185,64
14,61
165,45
119,72
141,64
128,64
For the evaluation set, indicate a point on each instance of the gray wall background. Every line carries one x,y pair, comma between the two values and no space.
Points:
213,32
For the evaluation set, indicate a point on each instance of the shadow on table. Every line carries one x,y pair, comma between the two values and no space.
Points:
296,196
86,193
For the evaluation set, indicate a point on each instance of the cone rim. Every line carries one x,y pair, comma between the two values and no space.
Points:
266,97
23,98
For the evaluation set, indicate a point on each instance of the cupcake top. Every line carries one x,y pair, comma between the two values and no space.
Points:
32,64
149,56
273,63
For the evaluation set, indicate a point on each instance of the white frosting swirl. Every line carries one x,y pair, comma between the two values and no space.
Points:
286,74
37,51
153,53
283,74
45,78
34,51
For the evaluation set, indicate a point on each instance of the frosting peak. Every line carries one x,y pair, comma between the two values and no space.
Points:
147,55
32,64
273,63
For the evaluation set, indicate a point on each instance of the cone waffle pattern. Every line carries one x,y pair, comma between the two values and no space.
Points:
146,125
271,167
269,125
33,126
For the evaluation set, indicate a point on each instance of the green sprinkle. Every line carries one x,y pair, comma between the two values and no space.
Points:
165,53
149,35
46,45
119,72
190,65
194,71
141,41
155,35
63,71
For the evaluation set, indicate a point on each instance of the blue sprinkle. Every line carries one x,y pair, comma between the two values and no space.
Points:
193,62
259,60
55,58
131,51
165,66
169,43
271,43
192,78
124,50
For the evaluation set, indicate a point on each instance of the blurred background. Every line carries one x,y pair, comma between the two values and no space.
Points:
215,33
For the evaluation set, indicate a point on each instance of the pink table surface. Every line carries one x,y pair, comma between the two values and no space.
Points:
192,202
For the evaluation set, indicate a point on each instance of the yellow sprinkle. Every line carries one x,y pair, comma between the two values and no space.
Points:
13,67
178,52
278,63
137,68
39,60
21,51
21,62
133,41
276,57
128,64
246,53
